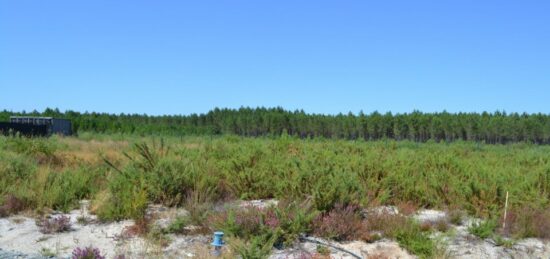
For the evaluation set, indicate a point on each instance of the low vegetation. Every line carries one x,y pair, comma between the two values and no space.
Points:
324,186
87,253
54,224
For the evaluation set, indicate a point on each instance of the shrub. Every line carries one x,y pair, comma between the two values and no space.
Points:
198,204
140,227
291,219
483,229
63,190
257,247
87,253
415,241
441,225
54,225
528,222
177,226
407,208
284,223
406,231
322,250
12,205
125,198
456,216
341,223
386,223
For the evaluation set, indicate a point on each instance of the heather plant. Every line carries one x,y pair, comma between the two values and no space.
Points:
11,205
341,223
284,223
54,224
87,253
527,222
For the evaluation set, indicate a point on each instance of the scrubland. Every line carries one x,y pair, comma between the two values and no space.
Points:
324,187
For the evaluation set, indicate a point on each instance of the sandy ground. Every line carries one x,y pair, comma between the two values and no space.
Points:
21,238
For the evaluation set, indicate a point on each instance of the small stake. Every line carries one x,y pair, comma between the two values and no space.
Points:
505,209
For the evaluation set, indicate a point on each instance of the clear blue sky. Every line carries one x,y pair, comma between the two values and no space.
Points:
178,57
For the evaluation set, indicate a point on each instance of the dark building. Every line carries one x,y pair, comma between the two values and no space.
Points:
36,126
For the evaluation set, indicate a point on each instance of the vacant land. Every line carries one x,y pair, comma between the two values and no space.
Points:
324,188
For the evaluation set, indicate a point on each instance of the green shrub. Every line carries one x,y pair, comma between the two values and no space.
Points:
177,226
415,241
258,247
483,229
125,198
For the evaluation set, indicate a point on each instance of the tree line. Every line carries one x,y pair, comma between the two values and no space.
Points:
496,127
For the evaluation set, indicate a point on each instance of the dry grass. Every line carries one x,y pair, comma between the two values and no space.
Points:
205,251
140,228
92,152
407,208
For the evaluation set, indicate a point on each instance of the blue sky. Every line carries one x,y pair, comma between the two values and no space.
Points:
181,57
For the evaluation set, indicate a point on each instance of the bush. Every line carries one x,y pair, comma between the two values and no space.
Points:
124,199
177,226
456,216
483,229
54,225
63,190
341,224
406,231
528,222
415,241
283,223
12,205
257,247
198,204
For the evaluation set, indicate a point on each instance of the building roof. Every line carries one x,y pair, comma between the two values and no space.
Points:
30,117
